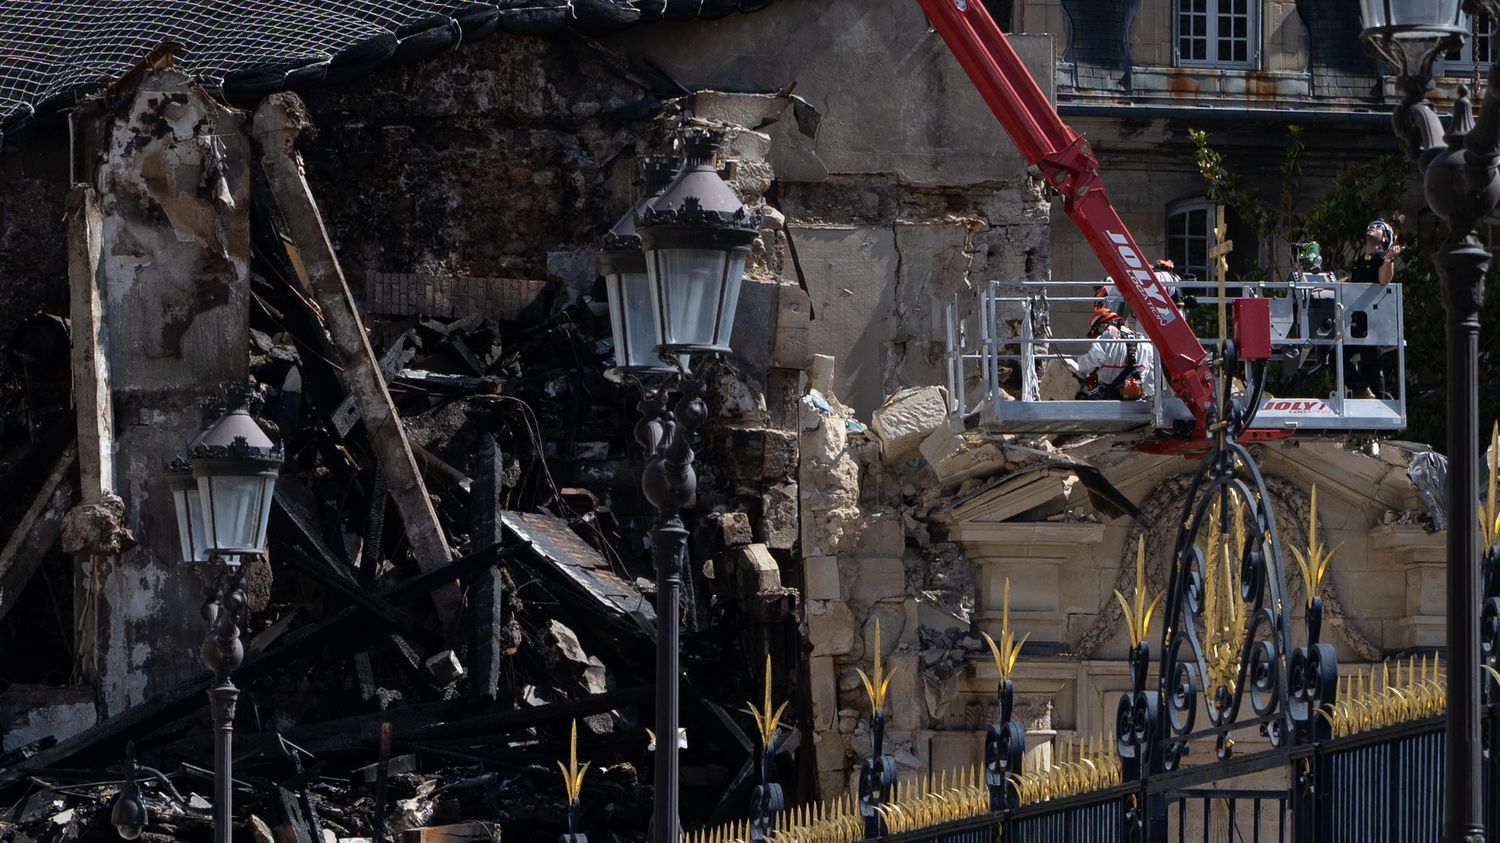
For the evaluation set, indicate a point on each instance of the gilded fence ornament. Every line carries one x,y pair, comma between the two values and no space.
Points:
1226,646
768,799
572,787
878,774
1005,740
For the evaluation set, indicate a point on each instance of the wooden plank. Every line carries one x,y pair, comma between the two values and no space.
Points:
37,532
277,127
91,382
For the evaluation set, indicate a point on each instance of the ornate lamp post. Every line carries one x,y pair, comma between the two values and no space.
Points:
1462,188
222,494
695,237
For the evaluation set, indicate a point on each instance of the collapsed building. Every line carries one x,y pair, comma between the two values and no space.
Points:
405,266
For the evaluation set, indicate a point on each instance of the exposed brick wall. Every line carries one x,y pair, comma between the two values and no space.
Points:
449,296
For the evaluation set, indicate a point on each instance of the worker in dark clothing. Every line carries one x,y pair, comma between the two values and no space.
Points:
1376,264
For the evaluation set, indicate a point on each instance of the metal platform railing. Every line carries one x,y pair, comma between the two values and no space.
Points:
1001,354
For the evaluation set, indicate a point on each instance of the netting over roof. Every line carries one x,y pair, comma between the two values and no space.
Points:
52,51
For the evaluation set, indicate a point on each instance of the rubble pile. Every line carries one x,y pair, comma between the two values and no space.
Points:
416,651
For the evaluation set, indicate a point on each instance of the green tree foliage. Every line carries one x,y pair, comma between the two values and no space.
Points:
1336,217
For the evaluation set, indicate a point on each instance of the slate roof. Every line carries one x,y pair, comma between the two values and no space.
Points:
54,51
1099,38
1340,67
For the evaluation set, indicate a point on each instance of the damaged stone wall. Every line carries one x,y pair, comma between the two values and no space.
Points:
160,270
898,186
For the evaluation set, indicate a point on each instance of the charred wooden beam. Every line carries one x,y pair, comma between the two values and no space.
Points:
37,532
278,123
486,593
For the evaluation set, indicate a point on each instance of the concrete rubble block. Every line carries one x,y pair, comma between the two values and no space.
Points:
823,681
908,417
821,574
830,628
29,713
820,372
755,570
879,578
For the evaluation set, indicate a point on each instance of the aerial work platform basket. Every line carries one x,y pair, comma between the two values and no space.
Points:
1008,353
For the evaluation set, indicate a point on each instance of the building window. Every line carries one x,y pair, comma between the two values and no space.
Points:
1478,49
1216,33
1190,234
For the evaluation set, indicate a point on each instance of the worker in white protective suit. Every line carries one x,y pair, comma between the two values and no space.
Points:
1121,364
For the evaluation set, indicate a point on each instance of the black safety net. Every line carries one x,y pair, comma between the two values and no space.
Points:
54,51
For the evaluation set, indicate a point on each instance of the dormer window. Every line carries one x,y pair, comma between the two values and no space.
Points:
1477,53
1216,33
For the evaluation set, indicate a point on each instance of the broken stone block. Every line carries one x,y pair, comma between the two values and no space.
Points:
734,529
822,578
830,628
1057,382
792,345
832,757
905,699
565,656
445,667
780,455
755,570
779,518
908,417
877,579
820,373
976,460
823,682
97,528
883,534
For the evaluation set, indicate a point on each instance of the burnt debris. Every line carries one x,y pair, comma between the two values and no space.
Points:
457,571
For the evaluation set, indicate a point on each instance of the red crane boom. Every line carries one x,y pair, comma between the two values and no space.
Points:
1069,166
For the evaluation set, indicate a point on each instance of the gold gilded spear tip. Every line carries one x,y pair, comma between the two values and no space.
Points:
1313,564
1137,611
767,722
573,774
1008,650
875,689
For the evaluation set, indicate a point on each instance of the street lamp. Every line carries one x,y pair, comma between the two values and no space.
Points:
695,237
222,497
637,333
1462,187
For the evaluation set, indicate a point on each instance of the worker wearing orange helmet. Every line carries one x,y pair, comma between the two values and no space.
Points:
1121,364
